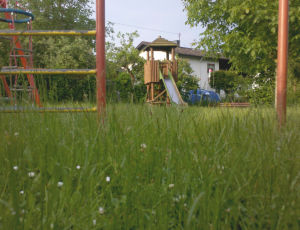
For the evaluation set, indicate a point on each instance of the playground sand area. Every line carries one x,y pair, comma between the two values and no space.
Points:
148,167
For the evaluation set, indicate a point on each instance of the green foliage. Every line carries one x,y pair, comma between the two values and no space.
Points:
257,90
123,62
126,57
245,31
293,93
186,79
122,88
66,53
168,168
61,14
261,90
224,80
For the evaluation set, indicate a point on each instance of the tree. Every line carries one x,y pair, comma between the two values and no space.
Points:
244,31
125,58
60,14
66,53
224,80
186,79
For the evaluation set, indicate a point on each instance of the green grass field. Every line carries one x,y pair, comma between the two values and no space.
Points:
150,168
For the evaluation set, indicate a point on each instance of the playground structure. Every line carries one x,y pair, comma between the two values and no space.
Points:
160,76
21,60
19,57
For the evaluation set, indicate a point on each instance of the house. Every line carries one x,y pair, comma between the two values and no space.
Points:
199,61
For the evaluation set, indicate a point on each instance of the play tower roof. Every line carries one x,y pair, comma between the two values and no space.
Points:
161,44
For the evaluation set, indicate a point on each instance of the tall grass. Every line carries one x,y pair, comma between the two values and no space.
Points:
150,168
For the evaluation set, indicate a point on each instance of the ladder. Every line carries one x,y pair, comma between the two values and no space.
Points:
19,58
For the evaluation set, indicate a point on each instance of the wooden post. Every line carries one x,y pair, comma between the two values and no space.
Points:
148,55
100,57
282,61
148,92
152,74
173,54
174,66
152,90
168,56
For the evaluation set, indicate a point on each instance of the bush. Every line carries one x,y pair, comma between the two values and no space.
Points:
186,80
224,80
120,89
261,89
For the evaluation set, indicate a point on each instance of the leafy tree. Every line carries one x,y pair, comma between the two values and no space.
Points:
67,53
260,90
61,14
244,30
186,80
124,58
223,80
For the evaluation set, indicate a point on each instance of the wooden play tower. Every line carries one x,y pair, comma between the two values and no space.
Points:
160,76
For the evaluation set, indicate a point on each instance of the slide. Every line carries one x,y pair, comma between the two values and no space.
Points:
172,89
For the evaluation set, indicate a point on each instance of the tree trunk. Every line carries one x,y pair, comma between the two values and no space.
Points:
132,83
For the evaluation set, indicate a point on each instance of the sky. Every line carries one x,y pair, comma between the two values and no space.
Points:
152,18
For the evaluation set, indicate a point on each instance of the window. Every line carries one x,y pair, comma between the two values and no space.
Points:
210,66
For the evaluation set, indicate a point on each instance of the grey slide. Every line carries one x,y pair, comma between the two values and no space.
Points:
172,91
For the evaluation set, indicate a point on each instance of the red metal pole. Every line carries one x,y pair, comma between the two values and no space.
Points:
282,61
6,86
100,57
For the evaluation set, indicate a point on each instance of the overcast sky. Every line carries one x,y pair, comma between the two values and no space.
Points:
151,18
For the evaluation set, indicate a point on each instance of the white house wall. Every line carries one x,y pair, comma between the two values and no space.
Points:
199,67
158,55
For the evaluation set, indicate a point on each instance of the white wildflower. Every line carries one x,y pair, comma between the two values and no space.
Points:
176,199
78,167
16,134
94,222
60,184
16,168
22,192
107,179
31,174
143,146
171,185
101,210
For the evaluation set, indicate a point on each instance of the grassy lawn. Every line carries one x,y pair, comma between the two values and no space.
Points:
150,168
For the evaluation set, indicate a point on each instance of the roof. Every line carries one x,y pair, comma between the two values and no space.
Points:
189,52
142,45
182,51
160,44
